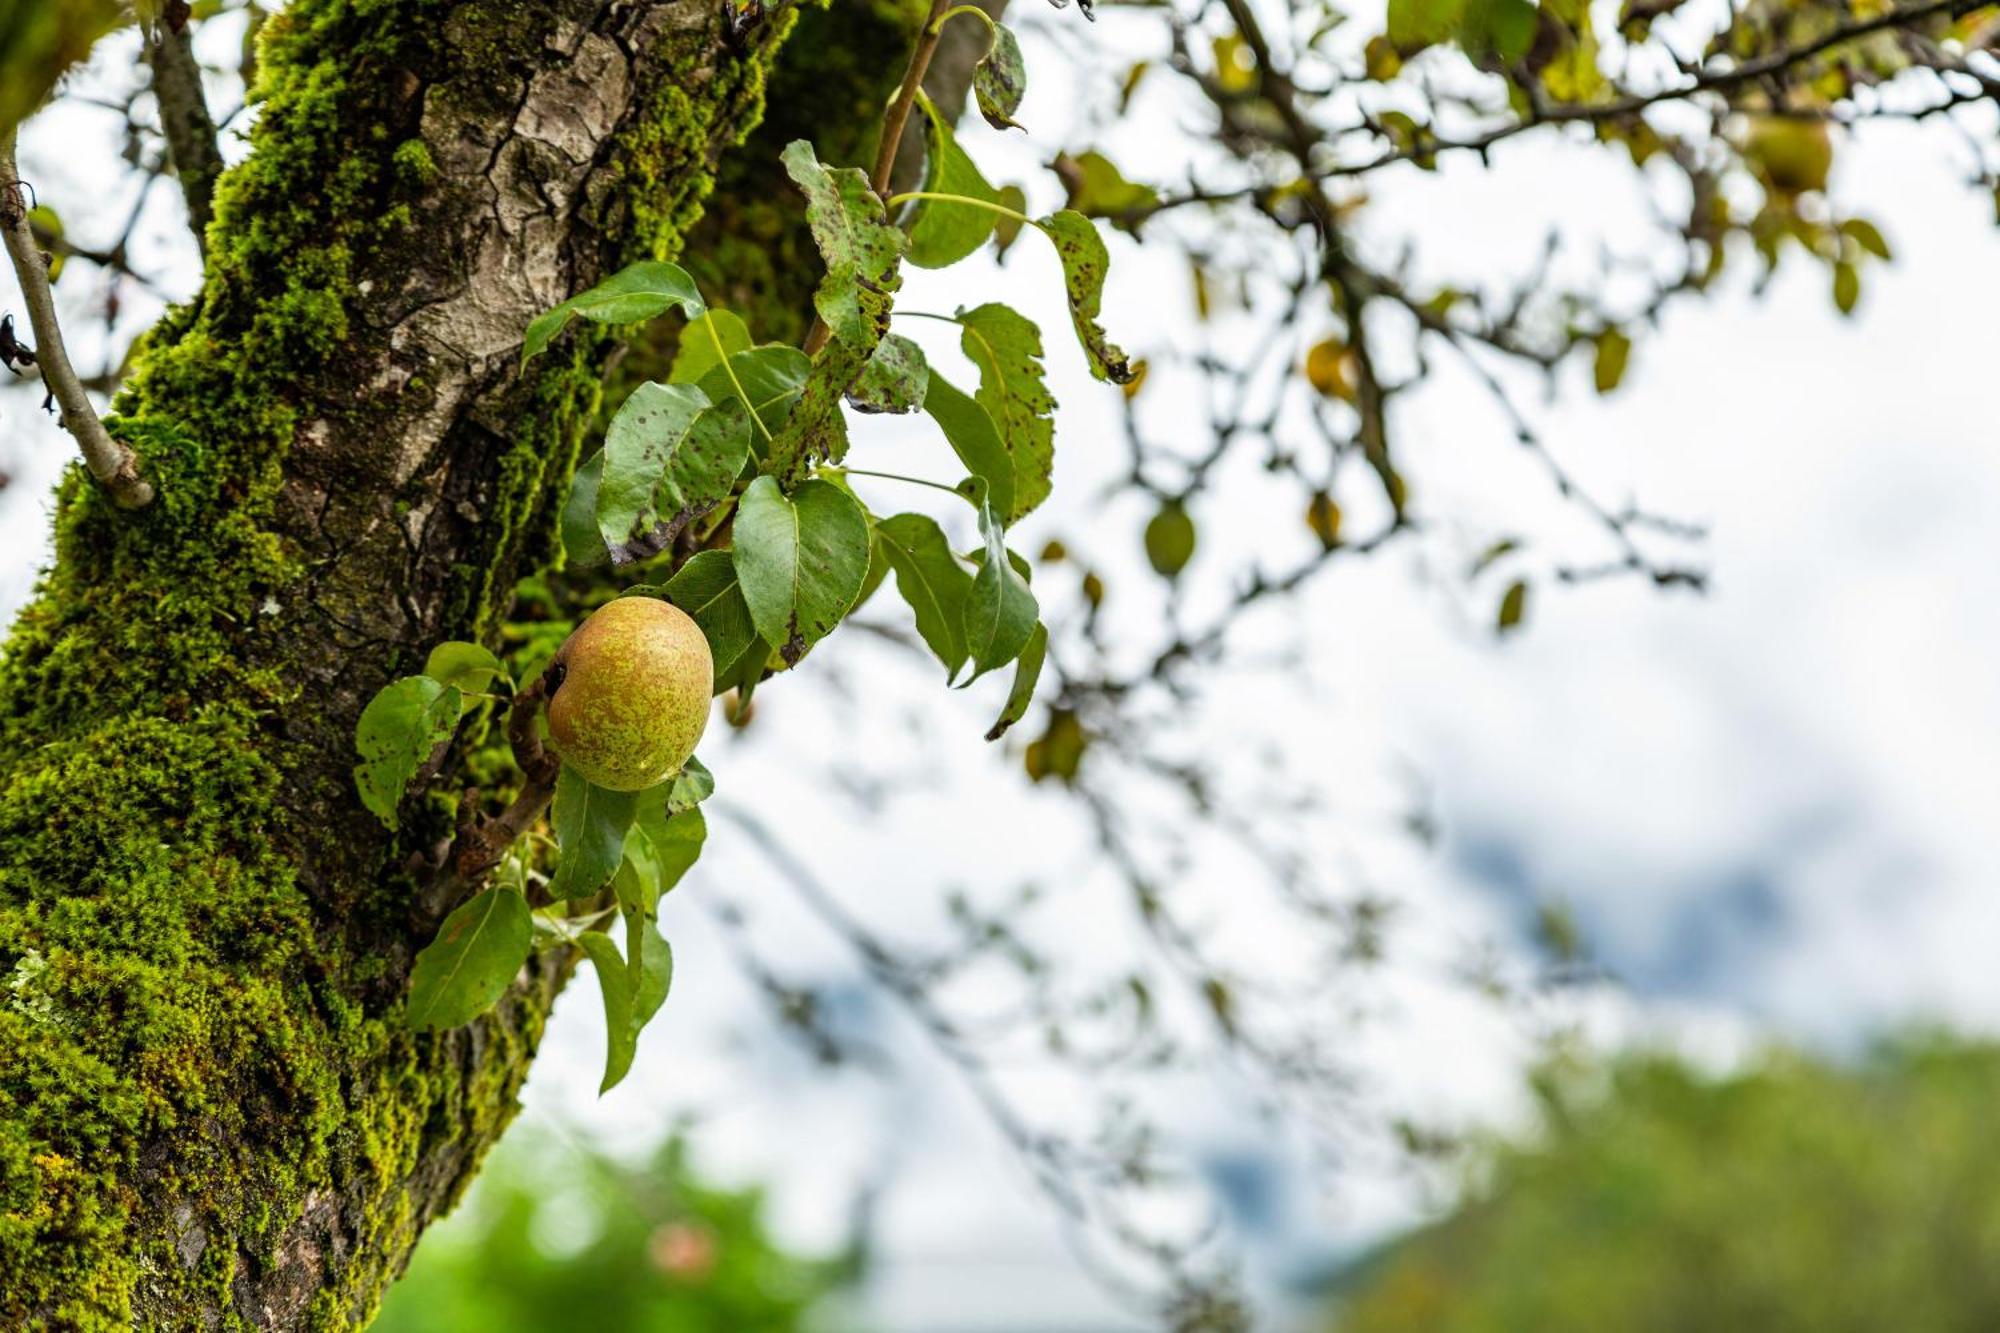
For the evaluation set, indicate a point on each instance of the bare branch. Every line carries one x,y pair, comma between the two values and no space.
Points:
114,465
186,122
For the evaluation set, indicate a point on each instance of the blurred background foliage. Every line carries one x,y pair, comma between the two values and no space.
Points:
556,1235
1793,1195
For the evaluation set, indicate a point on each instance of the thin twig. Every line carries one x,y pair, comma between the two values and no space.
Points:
114,465
187,124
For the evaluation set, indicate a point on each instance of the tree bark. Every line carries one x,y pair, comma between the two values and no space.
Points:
211,1115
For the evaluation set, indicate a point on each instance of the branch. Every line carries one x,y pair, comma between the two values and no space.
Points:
114,465
185,119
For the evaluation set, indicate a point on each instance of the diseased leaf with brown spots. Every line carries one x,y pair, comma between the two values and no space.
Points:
801,560
894,380
1084,263
1000,80
1013,388
853,233
670,455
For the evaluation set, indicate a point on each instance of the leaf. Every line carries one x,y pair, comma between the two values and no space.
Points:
1084,262
894,379
477,953
405,721
1001,614
859,246
944,230
633,294
1846,287
1866,235
1614,349
676,839
1415,24
1000,79
801,560
1007,226
1513,606
614,983
973,437
1007,348
690,787
1027,671
669,456
590,824
583,545
767,380
632,994
815,429
706,588
706,342
1098,189
931,579
1503,28
467,665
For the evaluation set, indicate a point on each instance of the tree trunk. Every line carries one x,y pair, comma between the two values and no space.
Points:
211,1115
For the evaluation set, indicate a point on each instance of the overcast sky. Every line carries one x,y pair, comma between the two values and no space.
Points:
1771,807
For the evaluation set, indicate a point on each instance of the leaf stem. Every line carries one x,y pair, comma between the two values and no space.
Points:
992,28
897,476
114,465
986,204
708,322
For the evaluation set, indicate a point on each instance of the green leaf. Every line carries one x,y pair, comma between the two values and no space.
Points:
1505,28
1007,228
1007,348
1000,80
669,456
855,239
974,438
402,724
1027,671
815,429
931,579
676,839
1513,607
767,380
1614,350
945,231
1866,235
894,379
583,545
614,982
650,963
801,560
629,296
690,787
467,665
706,588
706,342
1001,615
1846,287
1084,263
1098,189
590,824
477,953
1415,24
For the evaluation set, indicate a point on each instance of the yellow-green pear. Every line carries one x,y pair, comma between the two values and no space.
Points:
632,696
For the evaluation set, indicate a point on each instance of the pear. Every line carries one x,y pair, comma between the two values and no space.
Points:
631,698
1170,539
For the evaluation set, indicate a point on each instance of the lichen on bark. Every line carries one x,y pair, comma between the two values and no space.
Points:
210,1114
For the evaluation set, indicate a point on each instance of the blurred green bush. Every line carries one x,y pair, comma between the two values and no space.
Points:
557,1237
1796,1196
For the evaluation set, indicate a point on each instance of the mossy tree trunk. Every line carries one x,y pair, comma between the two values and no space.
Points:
211,1115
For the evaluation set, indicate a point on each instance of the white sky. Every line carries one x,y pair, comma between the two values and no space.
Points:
1772,808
